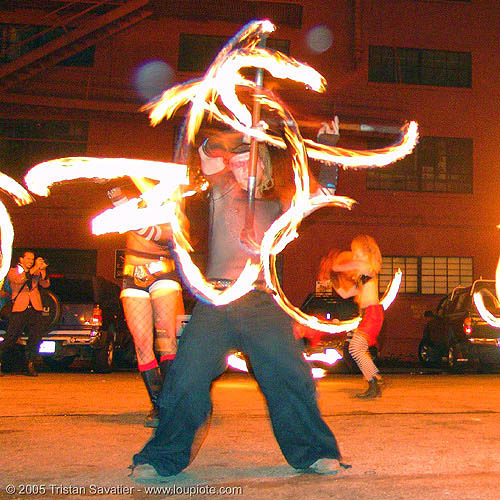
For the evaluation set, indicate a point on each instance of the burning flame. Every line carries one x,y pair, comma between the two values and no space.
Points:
42,176
329,356
21,197
223,77
215,95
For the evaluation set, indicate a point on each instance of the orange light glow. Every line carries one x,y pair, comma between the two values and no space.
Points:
215,97
487,316
21,197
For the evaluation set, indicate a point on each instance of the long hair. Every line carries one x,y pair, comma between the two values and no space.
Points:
369,247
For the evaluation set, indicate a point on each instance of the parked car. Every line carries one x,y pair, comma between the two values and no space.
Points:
325,306
456,333
328,306
83,319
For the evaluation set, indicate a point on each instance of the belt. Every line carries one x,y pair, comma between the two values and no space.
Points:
155,267
222,284
145,274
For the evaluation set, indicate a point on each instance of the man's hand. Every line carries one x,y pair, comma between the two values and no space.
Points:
329,132
39,265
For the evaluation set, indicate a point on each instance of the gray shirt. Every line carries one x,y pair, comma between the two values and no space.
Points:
228,203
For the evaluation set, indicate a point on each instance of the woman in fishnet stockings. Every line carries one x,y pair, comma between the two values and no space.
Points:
152,300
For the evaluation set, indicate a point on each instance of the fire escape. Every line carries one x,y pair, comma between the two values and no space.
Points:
65,28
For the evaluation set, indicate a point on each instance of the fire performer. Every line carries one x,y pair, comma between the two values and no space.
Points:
152,300
355,274
254,324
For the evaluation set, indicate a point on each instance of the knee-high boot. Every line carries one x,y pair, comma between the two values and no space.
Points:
153,381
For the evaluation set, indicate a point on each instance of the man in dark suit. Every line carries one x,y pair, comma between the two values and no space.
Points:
26,314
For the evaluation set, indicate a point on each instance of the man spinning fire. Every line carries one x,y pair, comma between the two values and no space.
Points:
254,324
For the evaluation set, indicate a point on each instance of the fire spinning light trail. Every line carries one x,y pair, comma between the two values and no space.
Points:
21,197
489,317
221,81
215,95
329,357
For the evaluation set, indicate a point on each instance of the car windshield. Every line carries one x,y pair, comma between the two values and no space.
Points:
73,290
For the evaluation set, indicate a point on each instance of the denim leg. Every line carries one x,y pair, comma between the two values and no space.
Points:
286,381
185,402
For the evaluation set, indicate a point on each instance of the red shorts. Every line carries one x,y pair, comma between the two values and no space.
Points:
371,323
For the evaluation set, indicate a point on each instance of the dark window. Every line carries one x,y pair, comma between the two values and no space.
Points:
235,11
409,267
73,290
196,52
441,68
24,143
438,164
17,40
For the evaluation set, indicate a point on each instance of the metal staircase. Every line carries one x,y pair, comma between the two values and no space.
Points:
82,24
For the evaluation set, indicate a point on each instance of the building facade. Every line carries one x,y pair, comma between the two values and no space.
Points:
73,76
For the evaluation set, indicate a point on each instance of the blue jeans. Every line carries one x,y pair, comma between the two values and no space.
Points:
256,325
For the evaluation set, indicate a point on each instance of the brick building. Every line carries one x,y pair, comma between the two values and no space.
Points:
73,76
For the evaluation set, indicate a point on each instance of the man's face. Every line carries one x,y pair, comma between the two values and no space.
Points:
239,167
27,260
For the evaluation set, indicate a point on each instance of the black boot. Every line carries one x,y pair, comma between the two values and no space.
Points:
373,390
153,382
30,369
1,372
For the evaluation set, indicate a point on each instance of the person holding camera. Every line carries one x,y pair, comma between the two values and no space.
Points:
26,315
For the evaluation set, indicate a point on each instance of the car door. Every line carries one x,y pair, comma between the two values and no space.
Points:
456,315
438,326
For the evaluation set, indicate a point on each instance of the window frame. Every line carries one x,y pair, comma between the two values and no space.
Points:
190,60
431,67
437,165
465,262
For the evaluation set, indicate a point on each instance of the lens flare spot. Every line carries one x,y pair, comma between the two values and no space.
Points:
319,39
152,78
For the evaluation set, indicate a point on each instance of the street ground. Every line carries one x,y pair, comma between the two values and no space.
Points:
431,436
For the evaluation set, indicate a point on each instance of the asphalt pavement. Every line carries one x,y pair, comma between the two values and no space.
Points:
431,436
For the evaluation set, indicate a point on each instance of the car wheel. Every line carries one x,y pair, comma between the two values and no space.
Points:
58,364
51,312
454,365
103,358
428,354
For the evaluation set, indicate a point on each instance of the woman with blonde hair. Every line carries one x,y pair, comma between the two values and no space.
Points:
363,268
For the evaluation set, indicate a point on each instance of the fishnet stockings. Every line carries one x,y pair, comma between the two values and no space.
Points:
167,305
139,316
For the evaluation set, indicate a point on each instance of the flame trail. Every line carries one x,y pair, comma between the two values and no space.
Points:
21,197
42,176
330,357
487,316
215,95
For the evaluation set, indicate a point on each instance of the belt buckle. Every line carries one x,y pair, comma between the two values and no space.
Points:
156,267
142,277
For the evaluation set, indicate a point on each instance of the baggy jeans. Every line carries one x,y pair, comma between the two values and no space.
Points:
256,325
